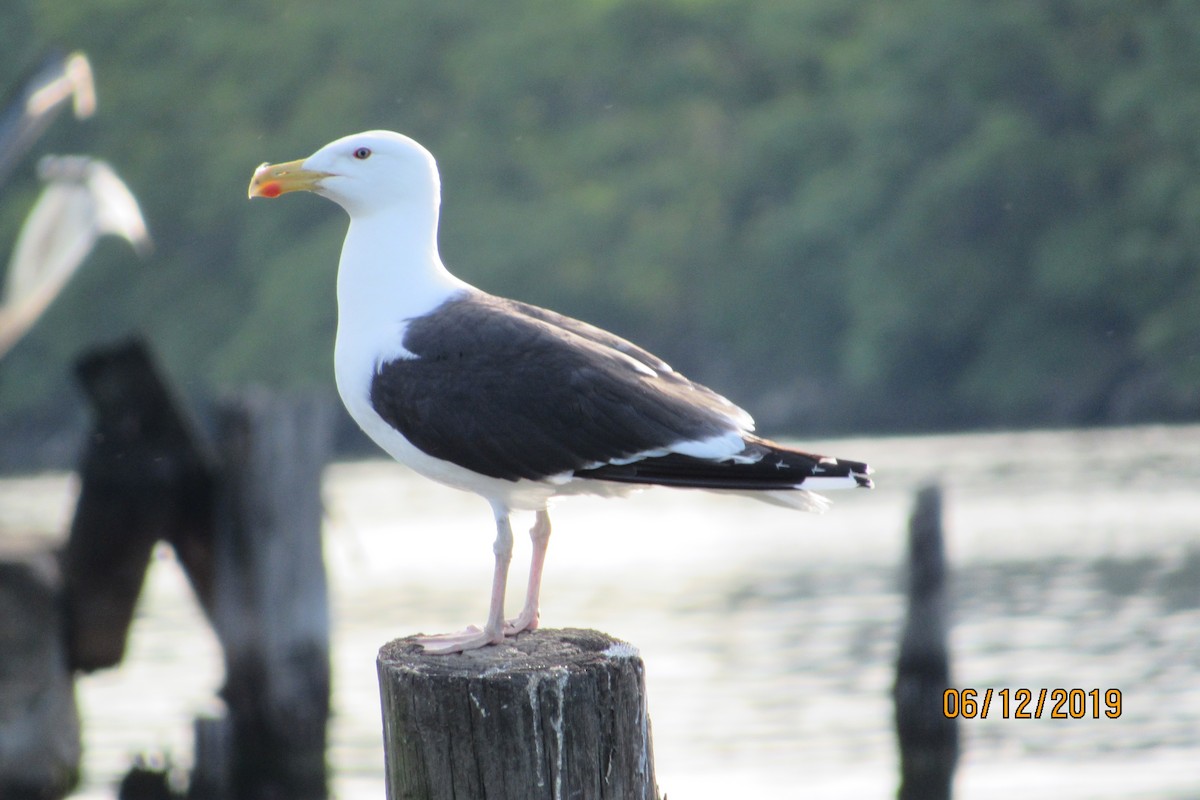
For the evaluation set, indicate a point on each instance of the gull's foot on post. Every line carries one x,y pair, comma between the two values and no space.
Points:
493,632
526,621
472,638
497,627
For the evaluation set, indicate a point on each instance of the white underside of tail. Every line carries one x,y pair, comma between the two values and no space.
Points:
805,499
795,499
798,499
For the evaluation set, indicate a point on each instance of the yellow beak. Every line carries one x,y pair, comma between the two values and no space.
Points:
272,180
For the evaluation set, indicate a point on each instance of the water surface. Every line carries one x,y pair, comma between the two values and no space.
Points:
769,636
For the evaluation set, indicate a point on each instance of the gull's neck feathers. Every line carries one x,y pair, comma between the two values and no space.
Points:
390,272
390,269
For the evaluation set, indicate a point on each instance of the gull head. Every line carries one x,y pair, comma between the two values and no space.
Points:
363,173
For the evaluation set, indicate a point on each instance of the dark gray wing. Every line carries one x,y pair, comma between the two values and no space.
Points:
513,391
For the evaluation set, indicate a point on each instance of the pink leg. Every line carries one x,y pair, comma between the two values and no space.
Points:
493,632
539,534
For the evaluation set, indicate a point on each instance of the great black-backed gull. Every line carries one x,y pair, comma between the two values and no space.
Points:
513,402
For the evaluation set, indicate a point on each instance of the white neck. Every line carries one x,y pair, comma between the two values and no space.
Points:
390,270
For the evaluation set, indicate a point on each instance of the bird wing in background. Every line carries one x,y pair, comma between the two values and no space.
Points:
117,210
83,200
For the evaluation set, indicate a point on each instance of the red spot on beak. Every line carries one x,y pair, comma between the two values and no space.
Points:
270,189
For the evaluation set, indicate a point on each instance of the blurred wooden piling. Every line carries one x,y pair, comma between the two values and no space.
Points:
144,476
928,739
550,714
269,603
39,725
244,518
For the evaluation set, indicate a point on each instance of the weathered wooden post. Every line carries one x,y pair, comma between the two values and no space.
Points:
39,725
928,738
551,714
144,476
246,525
269,602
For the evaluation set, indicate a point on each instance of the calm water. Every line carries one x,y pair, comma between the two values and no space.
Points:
768,635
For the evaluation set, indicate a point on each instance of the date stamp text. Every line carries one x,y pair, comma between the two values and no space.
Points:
1032,703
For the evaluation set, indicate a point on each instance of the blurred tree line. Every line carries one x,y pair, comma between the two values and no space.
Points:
849,215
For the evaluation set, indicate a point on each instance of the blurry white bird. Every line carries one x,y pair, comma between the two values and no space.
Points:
83,200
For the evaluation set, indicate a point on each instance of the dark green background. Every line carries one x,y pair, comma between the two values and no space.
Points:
847,215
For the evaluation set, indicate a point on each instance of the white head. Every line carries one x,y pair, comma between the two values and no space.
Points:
363,173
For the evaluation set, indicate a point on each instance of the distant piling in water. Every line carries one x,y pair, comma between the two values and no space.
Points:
928,739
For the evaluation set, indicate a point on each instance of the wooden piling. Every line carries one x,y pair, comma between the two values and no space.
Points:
245,523
144,476
928,739
550,714
39,724
270,605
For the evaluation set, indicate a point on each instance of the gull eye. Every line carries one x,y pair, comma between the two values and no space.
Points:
362,153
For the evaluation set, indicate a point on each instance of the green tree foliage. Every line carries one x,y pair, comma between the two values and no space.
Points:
847,214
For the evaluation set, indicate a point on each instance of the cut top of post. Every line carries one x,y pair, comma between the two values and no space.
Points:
572,648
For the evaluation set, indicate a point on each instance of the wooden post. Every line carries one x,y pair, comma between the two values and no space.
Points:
551,714
928,739
39,725
270,606
247,529
144,476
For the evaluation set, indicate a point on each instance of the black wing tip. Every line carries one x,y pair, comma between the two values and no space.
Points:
859,471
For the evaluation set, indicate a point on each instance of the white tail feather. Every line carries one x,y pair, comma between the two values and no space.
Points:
798,499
